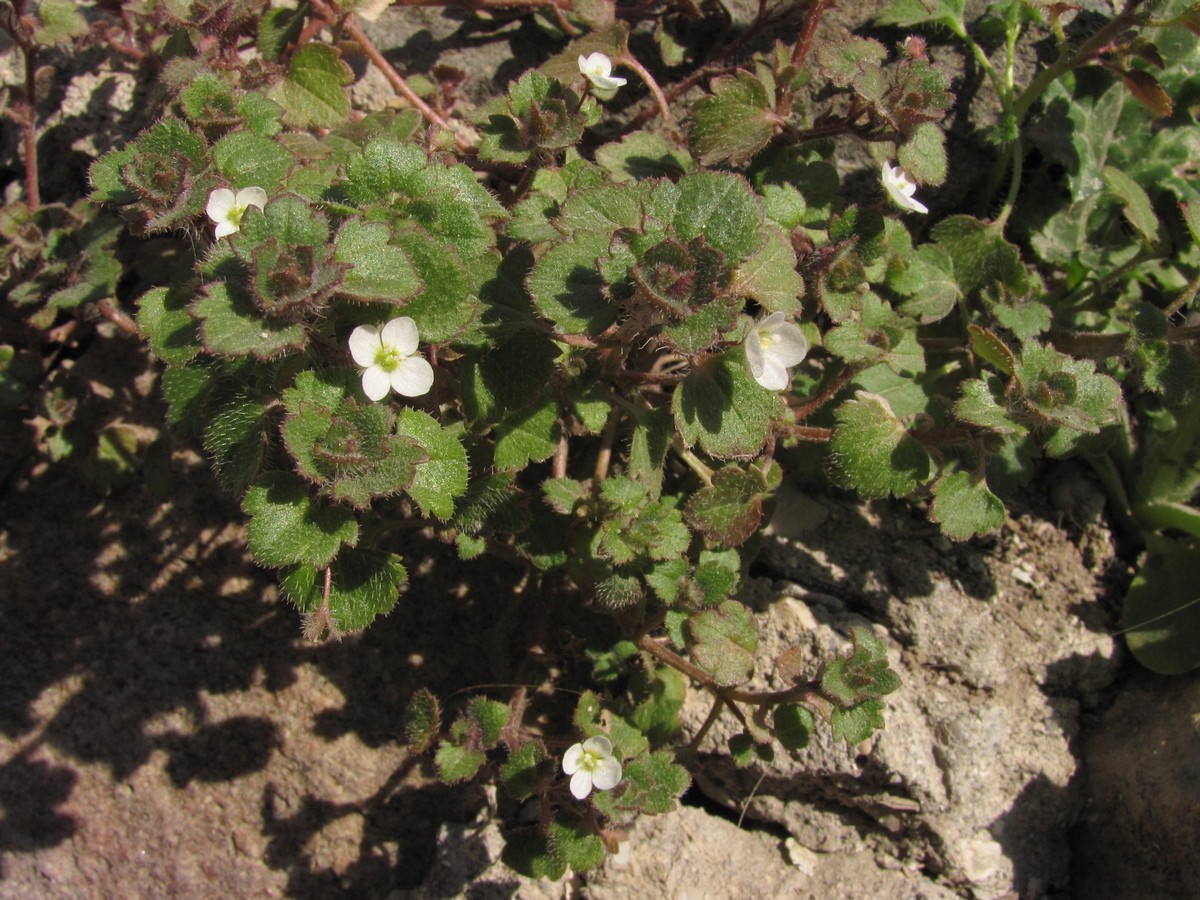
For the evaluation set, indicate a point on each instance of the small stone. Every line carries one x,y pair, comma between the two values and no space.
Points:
980,858
801,857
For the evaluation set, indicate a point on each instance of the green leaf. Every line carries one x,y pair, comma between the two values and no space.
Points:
421,721
907,13
312,93
927,278
527,437
873,452
923,155
1066,394
58,21
659,696
965,507
856,724
231,326
863,674
115,458
108,185
457,763
587,713
723,642
288,218
1025,320
734,123
982,257
445,307
723,209
654,782
277,28
1162,607
1139,210
770,276
378,270
363,584
185,389
260,114
988,347
567,287
443,475
720,407
287,527
730,511
236,438
794,725
574,842
526,853
603,208
844,60
490,716
520,773
982,403
643,155
249,160
164,320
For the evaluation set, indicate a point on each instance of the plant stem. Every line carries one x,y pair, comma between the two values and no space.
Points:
118,318
33,193
805,691
805,38
1068,61
703,472
1185,297
399,85
660,100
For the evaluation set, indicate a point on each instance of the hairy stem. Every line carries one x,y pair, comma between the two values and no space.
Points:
399,85
33,193
802,692
659,99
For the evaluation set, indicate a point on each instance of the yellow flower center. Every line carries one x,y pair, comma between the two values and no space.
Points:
388,358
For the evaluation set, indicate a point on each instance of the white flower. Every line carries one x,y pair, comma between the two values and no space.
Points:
598,69
591,765
772,347
901,188
226,208
390,360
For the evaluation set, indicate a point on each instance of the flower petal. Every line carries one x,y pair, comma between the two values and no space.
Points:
572,758
606,775
581,784
375,383
754,352
220,202
790,347
251,196
364,344
401,334
413,378
598,746
774,377
224,229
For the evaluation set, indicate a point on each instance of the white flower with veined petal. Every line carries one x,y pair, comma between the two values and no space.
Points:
390,360
227,208
773,346
591,765
598,70
901,188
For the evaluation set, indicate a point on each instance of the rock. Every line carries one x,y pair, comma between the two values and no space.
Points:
972,779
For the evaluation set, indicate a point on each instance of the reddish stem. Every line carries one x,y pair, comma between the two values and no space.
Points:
804,41
33,193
